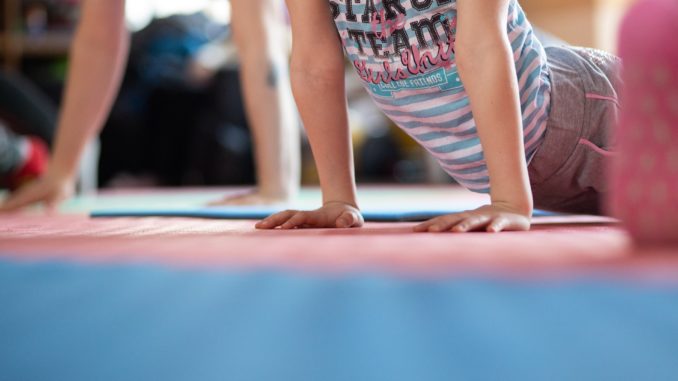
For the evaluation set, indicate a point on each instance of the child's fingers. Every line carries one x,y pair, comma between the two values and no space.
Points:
348,219
52,205
233,200
298,220
275,220
225,200
424,226
439,224
498,224
508,223
23,197
469,221
472,223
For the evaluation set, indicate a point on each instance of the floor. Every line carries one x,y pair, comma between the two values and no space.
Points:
178,298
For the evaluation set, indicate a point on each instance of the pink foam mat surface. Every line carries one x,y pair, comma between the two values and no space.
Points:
555,245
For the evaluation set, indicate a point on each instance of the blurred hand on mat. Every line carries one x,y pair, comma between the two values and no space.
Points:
50,189
252,198
330,215
492,218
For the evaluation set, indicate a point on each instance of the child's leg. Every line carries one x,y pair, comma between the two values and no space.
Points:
645,175
567,173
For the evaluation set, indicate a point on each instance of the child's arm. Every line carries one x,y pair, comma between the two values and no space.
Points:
96,66
260,36
486,67
317,74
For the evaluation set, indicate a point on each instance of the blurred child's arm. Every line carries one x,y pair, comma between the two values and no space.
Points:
317,74
96,64
261,37
486,67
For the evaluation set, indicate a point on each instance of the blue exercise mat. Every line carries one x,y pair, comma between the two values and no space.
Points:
65,321
258,213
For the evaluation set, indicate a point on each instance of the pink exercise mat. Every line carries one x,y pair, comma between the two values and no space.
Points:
555,244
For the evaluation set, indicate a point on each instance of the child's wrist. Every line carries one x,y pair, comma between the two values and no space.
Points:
340,202
515,200
522,207
279,192
62,171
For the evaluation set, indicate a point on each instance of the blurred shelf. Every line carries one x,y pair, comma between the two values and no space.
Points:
17,45
4,44
47,44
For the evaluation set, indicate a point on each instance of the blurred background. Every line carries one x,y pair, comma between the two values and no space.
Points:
179,119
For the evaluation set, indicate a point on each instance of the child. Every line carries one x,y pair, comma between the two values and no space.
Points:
469,81
96,63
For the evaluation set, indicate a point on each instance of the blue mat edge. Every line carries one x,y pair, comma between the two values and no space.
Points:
234,214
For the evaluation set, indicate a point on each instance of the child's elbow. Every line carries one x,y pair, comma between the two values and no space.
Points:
465,64
466,55
316,72
470,53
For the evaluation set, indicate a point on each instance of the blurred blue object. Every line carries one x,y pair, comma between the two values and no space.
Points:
61,321
162,50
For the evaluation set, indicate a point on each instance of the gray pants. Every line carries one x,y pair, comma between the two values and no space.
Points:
568,172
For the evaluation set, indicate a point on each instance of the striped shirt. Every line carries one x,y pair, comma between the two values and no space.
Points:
403,50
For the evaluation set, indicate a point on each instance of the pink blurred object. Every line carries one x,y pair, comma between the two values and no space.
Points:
644,178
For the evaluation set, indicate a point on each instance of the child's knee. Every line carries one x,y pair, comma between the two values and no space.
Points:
649,29
643,176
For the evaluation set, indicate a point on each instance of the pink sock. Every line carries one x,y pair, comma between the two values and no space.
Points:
644,177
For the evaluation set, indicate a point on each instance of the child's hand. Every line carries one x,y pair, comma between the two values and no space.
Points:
253,198
50,189
492,218
331,215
